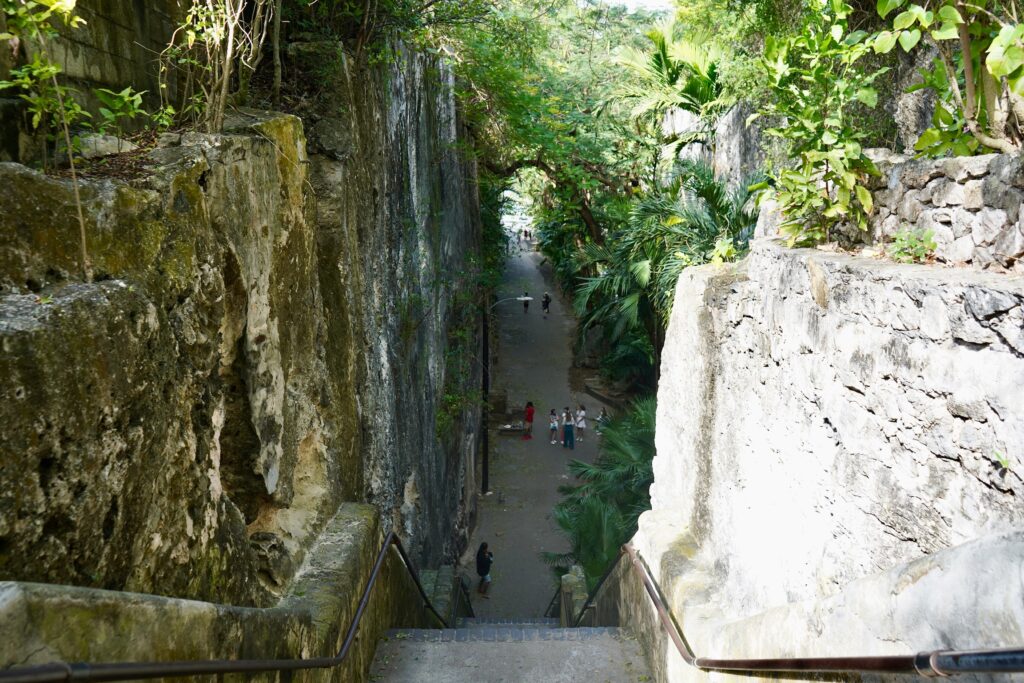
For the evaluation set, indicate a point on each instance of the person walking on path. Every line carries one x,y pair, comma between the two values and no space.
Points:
545,304
602,420
484,559
526,301
581,421
553,426
528,427
568,440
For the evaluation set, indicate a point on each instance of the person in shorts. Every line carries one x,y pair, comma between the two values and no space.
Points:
484,559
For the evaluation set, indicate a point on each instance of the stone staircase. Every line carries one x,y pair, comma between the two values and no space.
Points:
512,650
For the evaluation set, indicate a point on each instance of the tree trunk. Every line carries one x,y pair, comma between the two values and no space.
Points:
276,45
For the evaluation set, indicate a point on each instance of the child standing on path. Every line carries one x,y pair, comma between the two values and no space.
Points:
526,302
568,441
553,425
528,428
545,304
581,421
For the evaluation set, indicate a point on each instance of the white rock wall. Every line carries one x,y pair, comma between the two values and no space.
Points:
821,419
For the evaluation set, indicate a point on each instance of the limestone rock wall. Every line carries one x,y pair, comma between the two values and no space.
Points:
824,418
266,337
398,234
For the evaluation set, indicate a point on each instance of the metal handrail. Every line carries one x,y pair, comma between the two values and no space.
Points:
597,589
548,612
124,671
936,663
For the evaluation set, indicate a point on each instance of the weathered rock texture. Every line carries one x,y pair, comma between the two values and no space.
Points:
41,624
262,342
823,418
971,205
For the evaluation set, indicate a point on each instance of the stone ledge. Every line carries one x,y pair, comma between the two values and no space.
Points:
41,623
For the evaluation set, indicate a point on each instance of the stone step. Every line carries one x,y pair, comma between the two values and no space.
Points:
488,633
505,654
538,622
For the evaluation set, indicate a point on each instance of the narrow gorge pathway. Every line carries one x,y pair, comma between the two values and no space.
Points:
532,363
509,641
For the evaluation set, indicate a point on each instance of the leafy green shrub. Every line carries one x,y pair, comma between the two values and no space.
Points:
912,246
978,75
816,80
118,107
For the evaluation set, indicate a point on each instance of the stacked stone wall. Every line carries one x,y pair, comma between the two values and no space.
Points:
118,45
972,206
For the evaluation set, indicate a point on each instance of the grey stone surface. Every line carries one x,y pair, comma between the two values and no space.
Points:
954,198
509,654
94,146
823,418
738,150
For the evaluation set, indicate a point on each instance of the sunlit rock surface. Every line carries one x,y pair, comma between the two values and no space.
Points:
831,431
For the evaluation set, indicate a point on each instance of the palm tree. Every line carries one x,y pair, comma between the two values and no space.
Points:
676,73
600,512
703,219
694,218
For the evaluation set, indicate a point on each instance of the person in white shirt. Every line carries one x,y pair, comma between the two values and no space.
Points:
581,422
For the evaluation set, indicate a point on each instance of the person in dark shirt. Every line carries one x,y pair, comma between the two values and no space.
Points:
484,559
545,304
526,302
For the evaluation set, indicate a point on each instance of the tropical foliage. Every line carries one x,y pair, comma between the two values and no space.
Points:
690,219
674,73
817,80
599,513
978,74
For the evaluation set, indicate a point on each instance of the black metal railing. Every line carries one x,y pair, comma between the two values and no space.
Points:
124,671
937,663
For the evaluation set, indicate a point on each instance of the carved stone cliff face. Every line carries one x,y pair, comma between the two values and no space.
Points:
398,225
831,473
245,361
823,417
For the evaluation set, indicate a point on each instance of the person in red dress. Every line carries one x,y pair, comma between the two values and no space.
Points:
528,429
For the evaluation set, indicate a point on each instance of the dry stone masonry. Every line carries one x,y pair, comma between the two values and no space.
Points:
972,205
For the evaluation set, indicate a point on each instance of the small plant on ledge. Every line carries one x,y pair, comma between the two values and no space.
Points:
912,246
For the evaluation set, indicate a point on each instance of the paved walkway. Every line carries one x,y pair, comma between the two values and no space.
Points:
533,362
